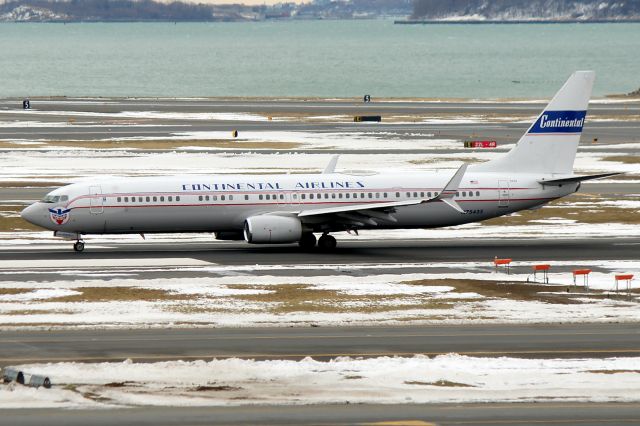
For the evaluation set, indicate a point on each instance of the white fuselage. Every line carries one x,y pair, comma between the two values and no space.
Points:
222,203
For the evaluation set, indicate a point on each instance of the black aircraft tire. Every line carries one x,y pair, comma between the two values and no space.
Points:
307,241
78,246
327,243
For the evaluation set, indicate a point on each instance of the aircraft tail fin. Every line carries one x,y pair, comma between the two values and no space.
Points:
550,144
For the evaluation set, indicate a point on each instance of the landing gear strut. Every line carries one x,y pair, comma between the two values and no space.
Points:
78,246
327,242
307,241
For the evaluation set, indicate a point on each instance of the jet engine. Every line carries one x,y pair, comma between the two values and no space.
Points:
271,229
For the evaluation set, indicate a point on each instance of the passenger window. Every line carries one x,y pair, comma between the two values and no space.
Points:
355,195
126,199
215,198
140,199
385,195
397,195
170,198
457,194
177,198
230,197
206,198
326,196
303,196
260,197
155,198
370,195
340,195
246,197
415,195
222,197
282,196
470,193
311,196
429,194
200,198
422,195
268,197
319,196
362,195
478,193
119,199
347,195
148,199
162,198
295,196
464,193
377,195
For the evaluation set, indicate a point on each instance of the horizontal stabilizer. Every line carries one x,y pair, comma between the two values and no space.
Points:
574,179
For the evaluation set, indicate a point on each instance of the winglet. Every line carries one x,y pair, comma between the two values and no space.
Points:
450,190
331,167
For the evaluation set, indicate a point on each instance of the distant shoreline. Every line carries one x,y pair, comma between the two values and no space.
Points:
537,21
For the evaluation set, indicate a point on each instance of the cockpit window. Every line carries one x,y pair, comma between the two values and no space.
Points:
51,199
55,198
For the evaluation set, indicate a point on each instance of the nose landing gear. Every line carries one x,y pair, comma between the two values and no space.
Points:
78,246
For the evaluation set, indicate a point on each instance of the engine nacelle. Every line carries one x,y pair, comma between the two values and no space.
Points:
271,229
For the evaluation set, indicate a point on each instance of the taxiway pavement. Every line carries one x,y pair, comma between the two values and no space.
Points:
531,341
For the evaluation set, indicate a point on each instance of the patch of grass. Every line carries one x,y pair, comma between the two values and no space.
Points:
36,312
613,371
626,159
120,294
220,388
441,383
171,144
4,291
305,298
442,159
15,224
501,289
595,215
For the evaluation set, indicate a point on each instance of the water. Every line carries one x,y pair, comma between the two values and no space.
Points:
313,58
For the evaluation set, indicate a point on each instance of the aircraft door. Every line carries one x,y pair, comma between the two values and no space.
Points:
96,202
503,193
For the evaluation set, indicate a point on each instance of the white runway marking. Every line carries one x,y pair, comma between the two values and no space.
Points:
100,263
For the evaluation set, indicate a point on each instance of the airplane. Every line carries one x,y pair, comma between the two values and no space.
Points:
288,208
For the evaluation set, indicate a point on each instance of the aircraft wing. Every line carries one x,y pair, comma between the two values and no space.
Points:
372,213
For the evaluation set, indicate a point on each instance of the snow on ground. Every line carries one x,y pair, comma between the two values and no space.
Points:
449,378
31,166
336,294
215,116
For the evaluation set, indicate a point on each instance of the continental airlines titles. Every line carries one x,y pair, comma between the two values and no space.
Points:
256,186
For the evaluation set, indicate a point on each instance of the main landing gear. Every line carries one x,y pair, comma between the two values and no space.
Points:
325,243
78,246
307,241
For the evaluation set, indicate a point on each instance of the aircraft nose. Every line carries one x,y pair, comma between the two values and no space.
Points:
30,214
